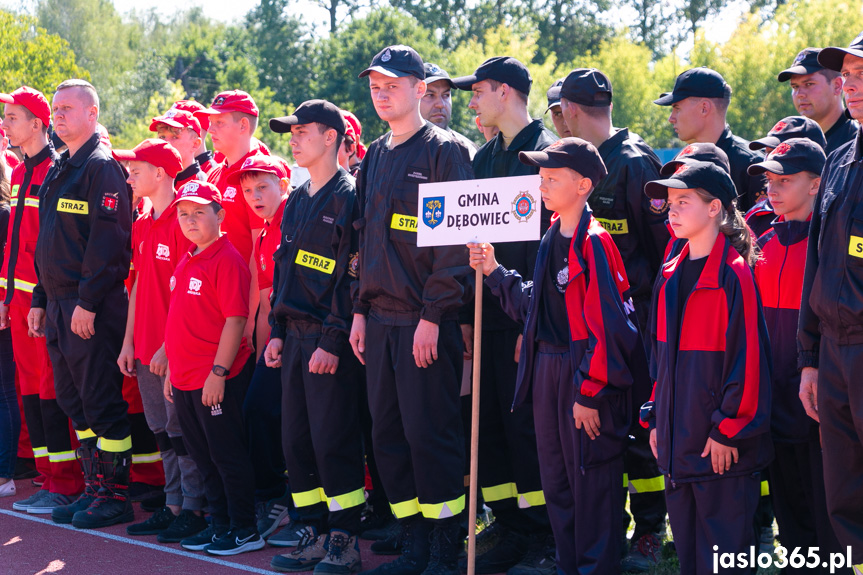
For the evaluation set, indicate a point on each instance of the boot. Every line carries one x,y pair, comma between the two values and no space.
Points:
414,550
112,504
89,465
445,542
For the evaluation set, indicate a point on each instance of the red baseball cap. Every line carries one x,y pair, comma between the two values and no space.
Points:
156,152
31,99
193,108
232,101
177,118
198,192
261,163
353,125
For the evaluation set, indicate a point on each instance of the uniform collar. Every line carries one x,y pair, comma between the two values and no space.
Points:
854,152
709,278
211,250
44,154
521,139
81,155
204,157
726,138
838,124
189,172
791,232
607,147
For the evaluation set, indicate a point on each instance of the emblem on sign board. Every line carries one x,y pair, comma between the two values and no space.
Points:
523,206
433,211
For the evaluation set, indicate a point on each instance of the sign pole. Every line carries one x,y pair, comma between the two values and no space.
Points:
474,427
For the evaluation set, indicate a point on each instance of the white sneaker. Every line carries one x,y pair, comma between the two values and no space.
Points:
8,489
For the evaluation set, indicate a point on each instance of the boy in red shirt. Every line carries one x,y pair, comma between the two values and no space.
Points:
202,154
209,368
183,131
158,244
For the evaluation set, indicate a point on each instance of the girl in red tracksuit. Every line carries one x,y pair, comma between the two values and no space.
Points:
710,418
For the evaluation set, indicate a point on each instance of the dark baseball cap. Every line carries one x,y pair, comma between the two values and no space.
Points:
705,175
806,62
791,157
501,69
697,152
308,112
553,95
833,57
397,61
791,127
573,153
696,83
435,73
588,87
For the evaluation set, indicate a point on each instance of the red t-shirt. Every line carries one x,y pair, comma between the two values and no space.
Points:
206,289
240,219
158,246
267,244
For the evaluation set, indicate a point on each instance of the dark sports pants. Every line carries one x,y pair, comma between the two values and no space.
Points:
799,501
718,512
321,434
840,409
262,411
508,461
216,439
582,497
416,413
88,383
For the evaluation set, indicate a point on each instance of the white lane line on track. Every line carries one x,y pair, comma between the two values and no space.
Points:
153,546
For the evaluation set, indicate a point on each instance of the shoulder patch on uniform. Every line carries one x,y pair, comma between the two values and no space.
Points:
658,206
354,265
109,202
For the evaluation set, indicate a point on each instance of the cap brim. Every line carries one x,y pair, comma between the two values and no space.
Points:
768,142
785,75
193,199
7,99
658,189
772,166
465,82
551,105
385,71
433,79
125,155
540,159
283,125
166,121
832,58
667,99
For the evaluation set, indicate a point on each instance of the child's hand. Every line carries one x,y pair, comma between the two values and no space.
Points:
159,362
586,418
126,361
273,353
720,455
482,255
167,391
653,446
214,390
323,362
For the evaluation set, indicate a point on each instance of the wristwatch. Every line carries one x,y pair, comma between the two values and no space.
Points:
220,371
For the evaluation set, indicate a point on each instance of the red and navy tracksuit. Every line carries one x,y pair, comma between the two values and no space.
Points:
711,364
797,473
597,367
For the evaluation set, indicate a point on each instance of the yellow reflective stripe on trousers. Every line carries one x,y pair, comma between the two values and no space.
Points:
146,457
406,508
500,492
61,456
442,510
85,434
765,488
40,452
531,499
347,500
648,485
309,498
114,445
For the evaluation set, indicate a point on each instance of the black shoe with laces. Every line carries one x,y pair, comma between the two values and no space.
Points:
377,525
236,541
509,550
202,540
343,555
157,523
414,557
185,525
644,554
444,543
539,559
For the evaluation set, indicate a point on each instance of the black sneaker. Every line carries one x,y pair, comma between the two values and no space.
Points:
389,546
200,541
185,525
644,554
274,514
236,541
508,552
157,523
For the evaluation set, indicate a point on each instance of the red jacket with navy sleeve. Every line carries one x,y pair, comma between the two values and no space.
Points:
712,368
779,275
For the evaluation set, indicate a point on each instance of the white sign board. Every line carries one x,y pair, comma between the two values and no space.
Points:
493,210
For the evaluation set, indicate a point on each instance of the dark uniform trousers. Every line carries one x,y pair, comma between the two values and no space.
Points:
509,471
88,384
579,482
416,414
840,407
262,411
712,513
321,434
216,439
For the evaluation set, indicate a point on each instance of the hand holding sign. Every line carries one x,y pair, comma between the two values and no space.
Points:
482,256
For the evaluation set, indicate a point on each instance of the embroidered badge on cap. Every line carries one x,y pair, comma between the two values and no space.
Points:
386,57
247,163
781,150
686,151
434,69
190,188
778,127
680,169
219,101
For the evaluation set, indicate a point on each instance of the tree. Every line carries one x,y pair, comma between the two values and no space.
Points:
569,28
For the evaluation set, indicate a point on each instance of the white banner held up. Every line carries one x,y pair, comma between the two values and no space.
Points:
493,210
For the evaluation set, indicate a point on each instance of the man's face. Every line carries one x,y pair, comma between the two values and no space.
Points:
395,98
486,103
226,131
436,105
19,129
687,119
813,95
74,116
559,124
184,140
852,85
309,143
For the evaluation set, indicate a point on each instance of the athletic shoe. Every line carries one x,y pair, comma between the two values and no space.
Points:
186,524
202,540
157,523
539,559
48,503
644,554
65,513
8,489
343,555
236,541
309,552
290,535
25,504
39,480
273,515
